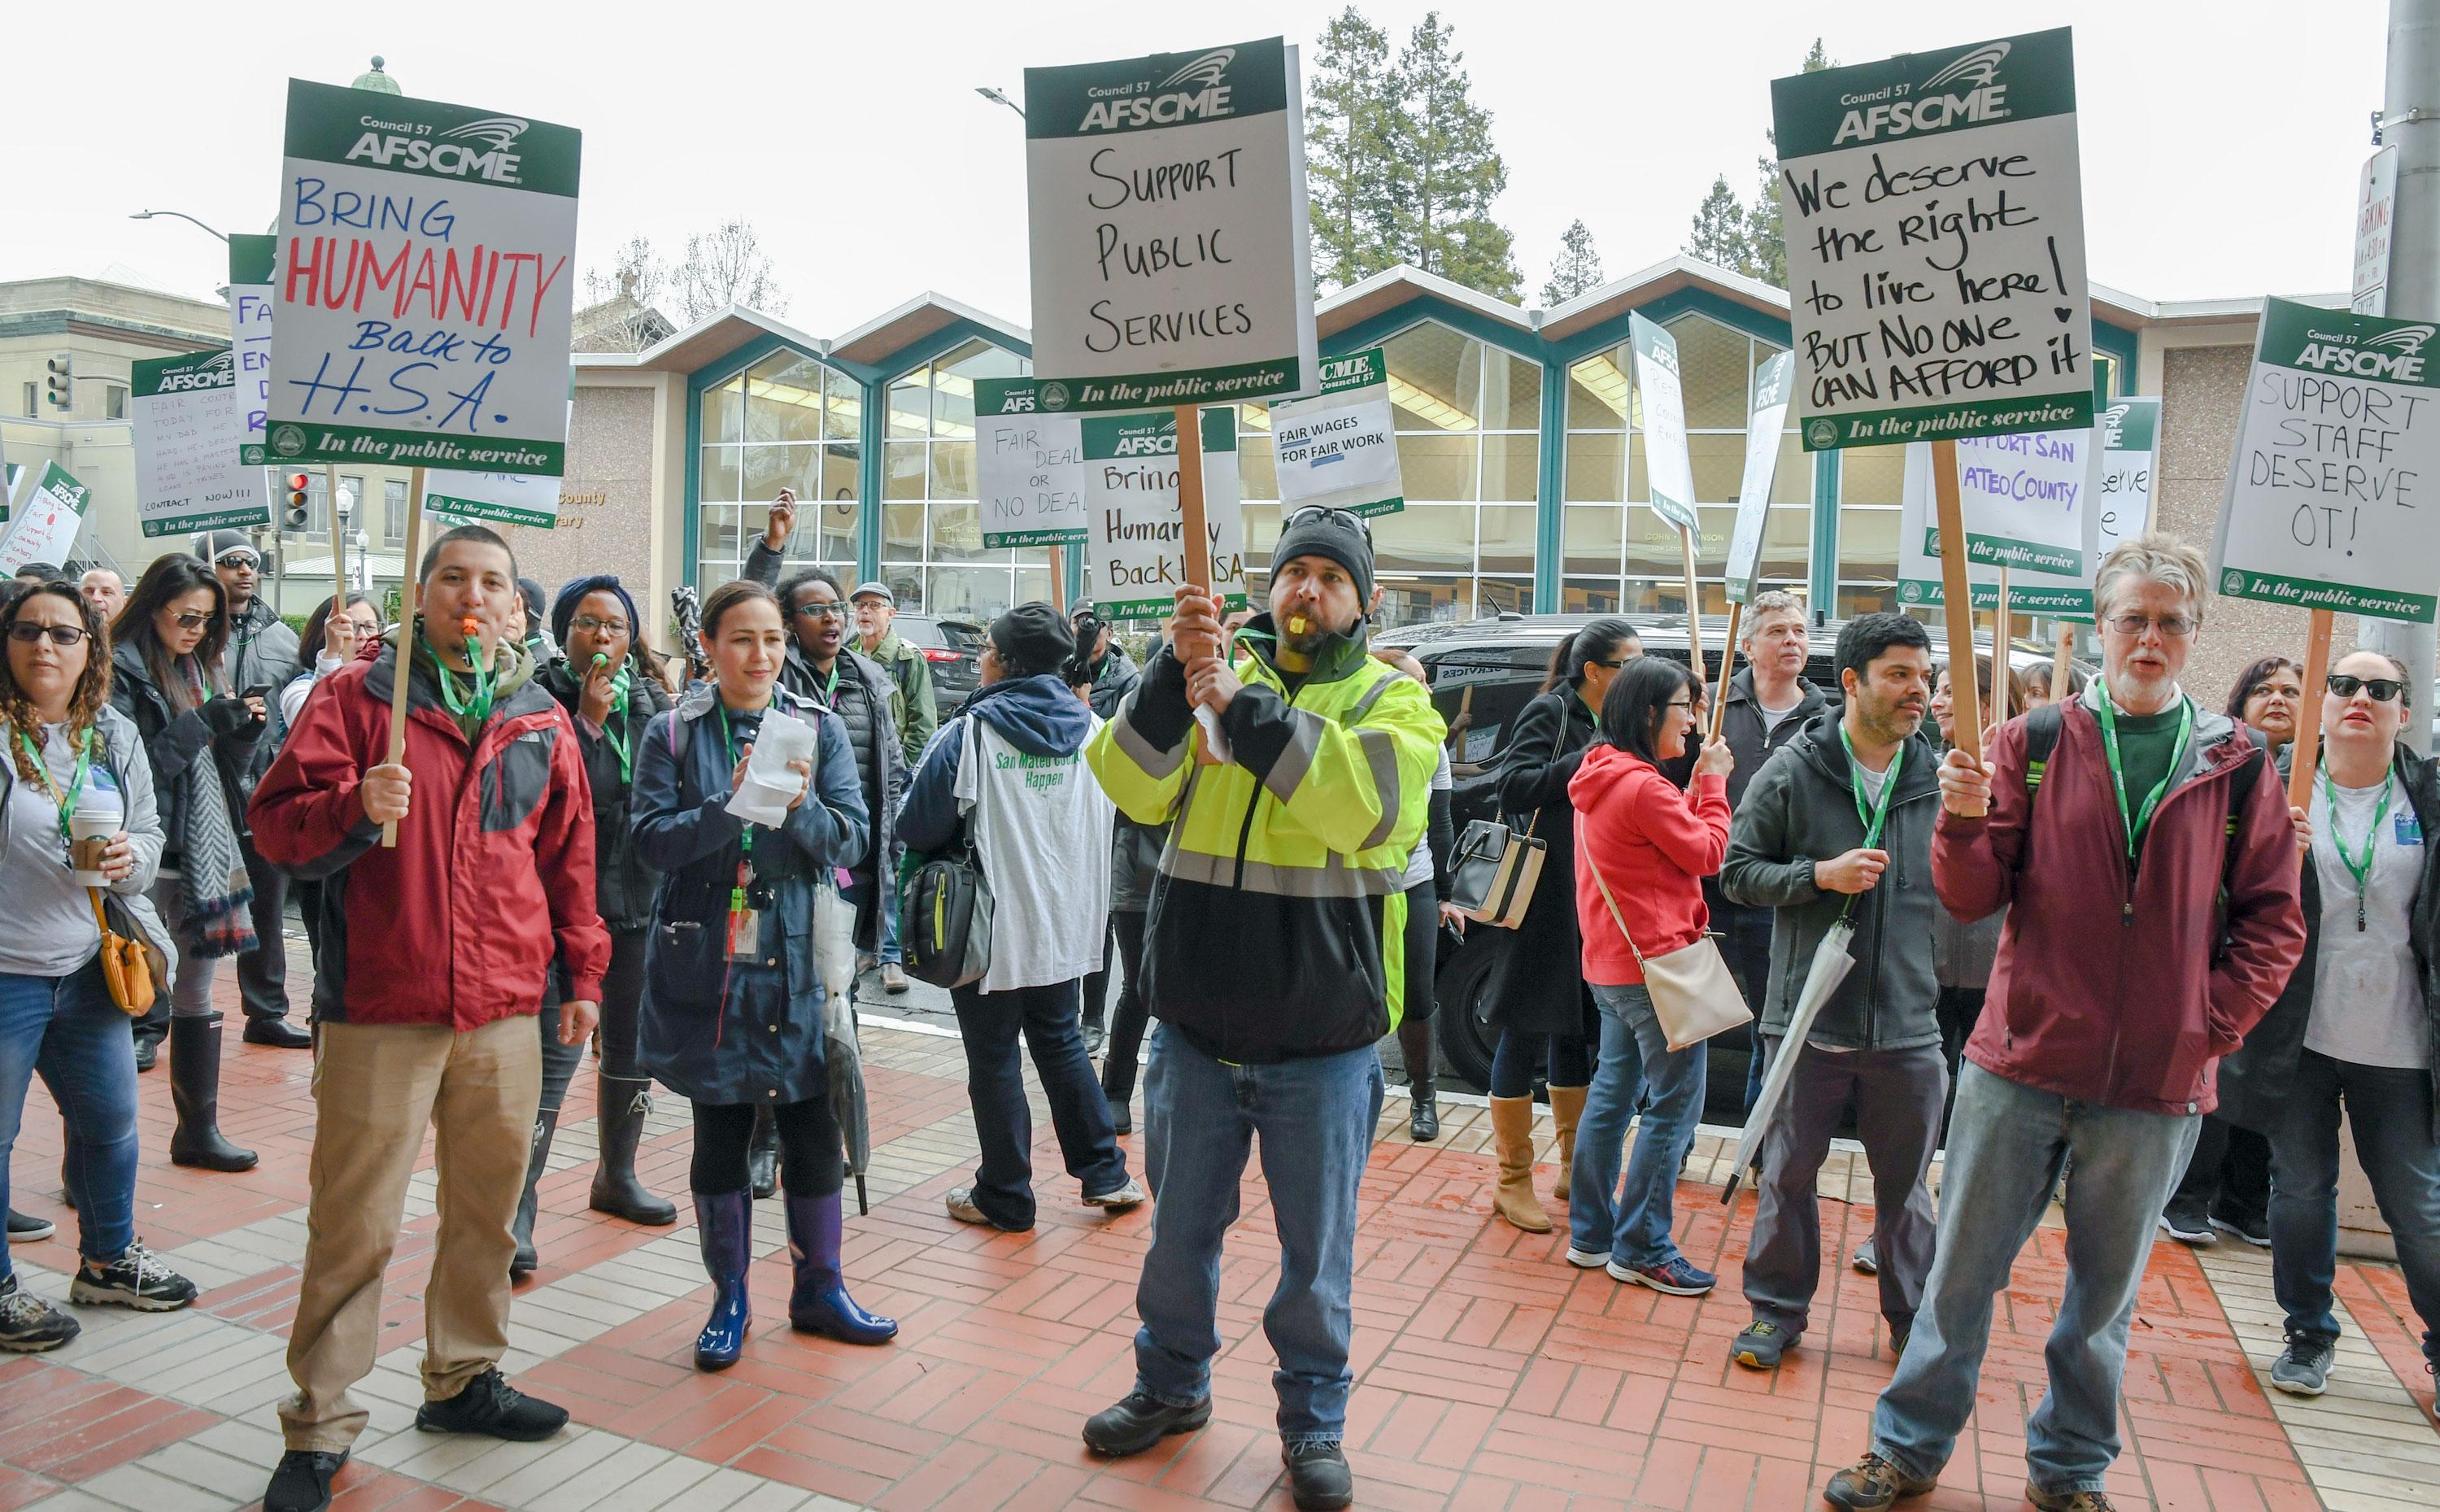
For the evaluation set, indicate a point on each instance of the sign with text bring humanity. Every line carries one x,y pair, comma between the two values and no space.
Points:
1340,449
187,414
1920,583
2329,503
1666,461
250,294
1765,423
1140,558
1934,213
1166,210
423,291
2130,443
43,523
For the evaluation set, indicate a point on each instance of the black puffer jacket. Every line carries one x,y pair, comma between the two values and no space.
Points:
622,884
860,697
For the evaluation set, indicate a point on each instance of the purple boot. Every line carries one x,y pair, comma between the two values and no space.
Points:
819,1304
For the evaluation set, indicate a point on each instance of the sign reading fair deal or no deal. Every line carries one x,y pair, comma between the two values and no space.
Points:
1167,207
2331,502
1934,214
1340,450
425,286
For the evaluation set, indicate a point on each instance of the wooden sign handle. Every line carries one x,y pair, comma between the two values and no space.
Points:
1058,577
338,537
1728,655
1198,540
1693,610
2062,664
409,592
2307,753
1957,595
2002,631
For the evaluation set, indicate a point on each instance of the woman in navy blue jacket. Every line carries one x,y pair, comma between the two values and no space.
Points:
733,1010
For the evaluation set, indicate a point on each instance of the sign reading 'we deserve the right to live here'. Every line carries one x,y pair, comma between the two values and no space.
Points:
1934,214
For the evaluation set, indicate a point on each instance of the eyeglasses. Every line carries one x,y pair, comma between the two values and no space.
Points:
2383,689
245,560
822,611
1324,514
1613,665
190,620
25,632
2174,627
1687,704
607,627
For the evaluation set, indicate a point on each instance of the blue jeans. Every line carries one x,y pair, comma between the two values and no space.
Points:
2391,1110
2006,1144
67,1028
1316,1119
990,1023
1635,1059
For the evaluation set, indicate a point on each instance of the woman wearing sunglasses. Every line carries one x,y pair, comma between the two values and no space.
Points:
73,764
2359,1024
166,678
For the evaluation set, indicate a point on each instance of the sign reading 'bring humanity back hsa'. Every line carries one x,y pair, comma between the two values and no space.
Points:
425,281
1934,214
1167,205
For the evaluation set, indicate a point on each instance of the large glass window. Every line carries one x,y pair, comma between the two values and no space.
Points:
787,421
1618,553
931,527
1871,487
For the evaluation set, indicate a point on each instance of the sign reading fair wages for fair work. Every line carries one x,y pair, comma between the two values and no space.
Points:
1166,207
1765,423
425,285
2330,503
1990,492
250,295
1934,214
1667,466
43,525
1340,450
187,414
2130,441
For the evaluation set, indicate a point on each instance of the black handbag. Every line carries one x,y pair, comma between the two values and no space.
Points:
944,920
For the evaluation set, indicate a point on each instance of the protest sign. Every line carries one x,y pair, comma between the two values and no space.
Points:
43,525
1340,449
1766,424
2024,499
2326,503
1167,226
10,475
501,499
187,414
2375,208
2130,432
1140,555
1920,579
425,285
1935,244
250,297
1666,462
1030,472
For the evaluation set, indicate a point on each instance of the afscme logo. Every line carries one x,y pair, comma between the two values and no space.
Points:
2392,354
2113,424
1979,96
2407,340
478,149
215,371
1205,70
1194,92
1981,65
496,131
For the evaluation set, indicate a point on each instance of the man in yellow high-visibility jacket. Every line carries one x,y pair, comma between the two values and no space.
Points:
1273,962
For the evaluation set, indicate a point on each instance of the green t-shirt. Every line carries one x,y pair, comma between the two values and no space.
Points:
2147,748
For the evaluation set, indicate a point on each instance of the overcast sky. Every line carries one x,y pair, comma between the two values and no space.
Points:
2221,138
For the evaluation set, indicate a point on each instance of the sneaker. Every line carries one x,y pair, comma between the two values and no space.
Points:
23,1227
1867,1260
894,977
1759,1344
961,1207
136,1278
302,1480
1095,1036
1129,1196
1318,1478
2069,1501
1588,1259
2302,1369
1139,1422
1871,1485
2188,1228
1678,1278
2253,1227
30,1326
489,1405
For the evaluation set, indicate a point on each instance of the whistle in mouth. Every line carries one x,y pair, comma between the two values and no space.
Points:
600,659
471,628
1298,624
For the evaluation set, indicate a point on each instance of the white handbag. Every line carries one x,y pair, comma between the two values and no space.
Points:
1493,871
1694,996
834,941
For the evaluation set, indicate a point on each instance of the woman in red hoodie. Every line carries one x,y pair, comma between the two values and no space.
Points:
1650,846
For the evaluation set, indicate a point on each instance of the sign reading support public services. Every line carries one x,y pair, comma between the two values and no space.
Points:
1934,215
1167,226
43,525
1340,449
1667,464
1766,424
187,415
250,297
424,287
2330,502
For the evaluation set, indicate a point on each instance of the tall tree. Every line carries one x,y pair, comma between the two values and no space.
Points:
1576,268
637,274
1448,173
1349,163
1758,244
1718,234
724,266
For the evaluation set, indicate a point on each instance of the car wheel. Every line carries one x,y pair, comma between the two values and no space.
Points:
1467,1038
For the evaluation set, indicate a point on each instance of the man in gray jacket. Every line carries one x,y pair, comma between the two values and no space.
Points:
1839,826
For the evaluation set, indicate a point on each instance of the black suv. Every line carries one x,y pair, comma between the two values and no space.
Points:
953,648
1483,673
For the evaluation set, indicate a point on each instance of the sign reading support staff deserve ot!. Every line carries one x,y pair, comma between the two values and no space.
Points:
1935,216
1340,450
2330,501
1167,226
187,415
424,287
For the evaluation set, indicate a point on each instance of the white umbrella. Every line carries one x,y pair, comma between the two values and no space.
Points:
1831,964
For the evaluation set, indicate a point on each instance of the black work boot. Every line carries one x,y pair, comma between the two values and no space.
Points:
622,1106
525,1262
763,1155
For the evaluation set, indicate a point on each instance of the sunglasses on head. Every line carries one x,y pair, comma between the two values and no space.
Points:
2383,689
1325,514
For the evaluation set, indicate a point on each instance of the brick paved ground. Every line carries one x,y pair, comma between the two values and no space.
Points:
1490,1375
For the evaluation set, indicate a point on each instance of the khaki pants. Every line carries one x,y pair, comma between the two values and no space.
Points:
375,1088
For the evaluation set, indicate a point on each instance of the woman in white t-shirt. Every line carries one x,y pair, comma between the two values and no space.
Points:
2356,1026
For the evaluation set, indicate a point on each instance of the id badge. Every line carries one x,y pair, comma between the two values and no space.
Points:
745,935
2410,829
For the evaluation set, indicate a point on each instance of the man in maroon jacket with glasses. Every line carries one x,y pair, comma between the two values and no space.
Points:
2123,977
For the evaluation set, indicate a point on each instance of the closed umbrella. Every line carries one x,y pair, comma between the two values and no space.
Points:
1831,964
844,1060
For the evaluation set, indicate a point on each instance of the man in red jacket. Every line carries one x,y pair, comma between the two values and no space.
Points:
433,959
2123,977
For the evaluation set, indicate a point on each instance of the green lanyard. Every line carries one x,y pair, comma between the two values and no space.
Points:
745,853
2141,819
68,802
476,704
1874,816
622,740
2361,871
830,689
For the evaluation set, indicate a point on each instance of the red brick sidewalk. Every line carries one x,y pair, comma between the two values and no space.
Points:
1490,1375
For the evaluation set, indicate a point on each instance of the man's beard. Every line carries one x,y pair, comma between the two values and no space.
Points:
1307,641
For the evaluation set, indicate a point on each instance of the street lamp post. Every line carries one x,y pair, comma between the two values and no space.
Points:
147,215
998,98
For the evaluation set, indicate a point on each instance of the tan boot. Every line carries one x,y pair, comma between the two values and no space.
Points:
1512,1129
1567,1107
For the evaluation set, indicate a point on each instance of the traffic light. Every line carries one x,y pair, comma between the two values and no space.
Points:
59,382
300,497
